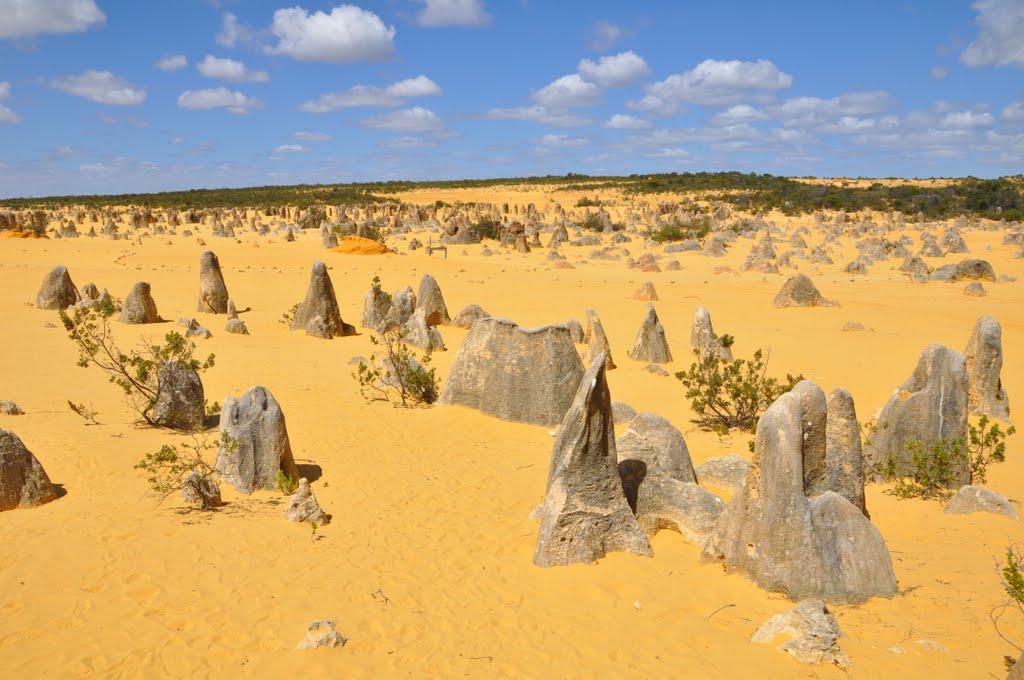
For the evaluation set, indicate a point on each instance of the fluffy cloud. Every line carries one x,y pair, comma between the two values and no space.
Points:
811,111
1013,114
740,113
712,83
347,34
230,70
999,42
562,141
621,121
232,32
367,95
604,35
538,114
171,62
304,136
617,71
102,87
453,13
416,119
568,92
26,18
217,98
966,120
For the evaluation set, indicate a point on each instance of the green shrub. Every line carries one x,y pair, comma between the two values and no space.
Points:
698,229
588,203
403,376
287,485
731,394
171,467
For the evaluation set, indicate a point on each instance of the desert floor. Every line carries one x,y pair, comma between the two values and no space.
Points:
427,565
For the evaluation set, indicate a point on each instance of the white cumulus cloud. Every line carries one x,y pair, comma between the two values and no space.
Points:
171,62
453,13
393,95
621,121
416,119
102,87
562,141
713,83
1013,114
347,34
967,120
616,71
232,32
230,70
604,35
740,113
26,18
1000,40
218,98
538,114
568,92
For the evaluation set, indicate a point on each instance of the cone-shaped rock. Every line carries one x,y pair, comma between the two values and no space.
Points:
139,306
782,536
403,304
23,482
646,292
651,345
304,508
419,333
984,357
597,340
375,307
181,400
585,514
513,373
799,291
844,458
213,294
931,405
321,301
469,315
257,445
431,301
57,291
703,338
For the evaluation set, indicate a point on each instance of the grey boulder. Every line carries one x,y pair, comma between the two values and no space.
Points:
213,293
139,306
320,301
23,482
304,508
58,290
800,291
812,630
984,360
255,445
728,473
650,344
431,301
469,315
181,401
971,499
703,339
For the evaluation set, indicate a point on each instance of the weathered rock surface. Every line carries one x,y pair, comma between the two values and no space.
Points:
585,514
322,634
430,300
975,270
304,508
236,326
800,291
984,361
844,457
656,442
376,305
812,630
257,446
971,499
728,473
646,292
213,293
419,333
703,338
9,408
785,539
597,340
181,400
931,405
201,490
513,373
23,482
469,315
321,301
651,345
622,412
139,306
57,291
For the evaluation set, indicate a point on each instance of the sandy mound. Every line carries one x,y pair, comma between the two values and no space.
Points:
22,234
357,245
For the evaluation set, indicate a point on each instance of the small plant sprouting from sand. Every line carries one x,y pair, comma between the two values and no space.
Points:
174,467
135,372
1012,577
401,376
731,394
86,412
935,467
289,317
287,485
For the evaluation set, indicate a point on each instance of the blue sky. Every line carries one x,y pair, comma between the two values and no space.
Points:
115,96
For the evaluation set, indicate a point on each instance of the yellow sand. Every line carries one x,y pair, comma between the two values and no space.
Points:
427,566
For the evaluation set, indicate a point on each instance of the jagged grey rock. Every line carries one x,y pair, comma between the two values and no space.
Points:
813,633
321,301
419,333
139,306
844,457
650,344
575,330
304,508
585,514
799,291
622,412
431,301
213,293
181,400
975,269
931,405
194,330
513,373
236,326
23,482
703,338
975,289
656,442
469,315
786,540
646,292
728,473
322,634
971,499
984,360
375,307
257,445
58,290
231,311
201,490
9,408
403,304
597,340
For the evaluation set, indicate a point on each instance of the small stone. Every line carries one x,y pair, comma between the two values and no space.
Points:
304,508
813,630
322,634
975,289
970,499
9,408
